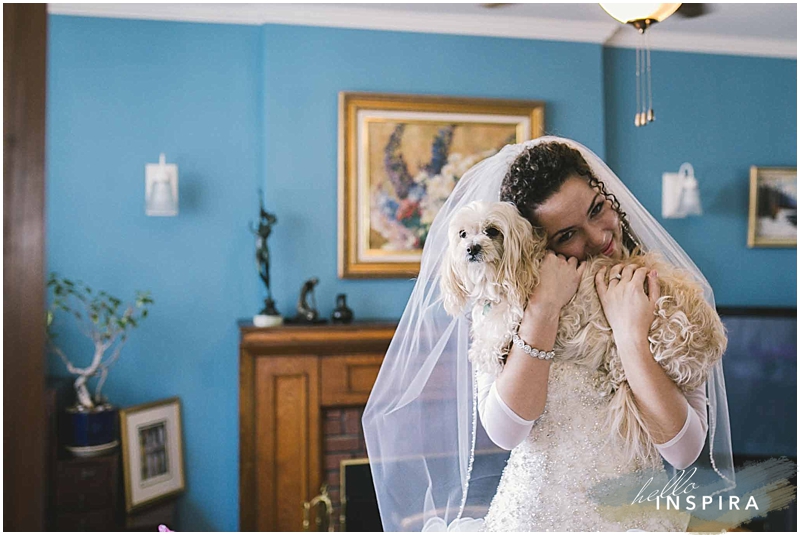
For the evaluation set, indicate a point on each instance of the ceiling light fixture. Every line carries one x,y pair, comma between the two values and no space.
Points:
641,17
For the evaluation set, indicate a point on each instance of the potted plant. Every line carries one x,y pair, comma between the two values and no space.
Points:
106,321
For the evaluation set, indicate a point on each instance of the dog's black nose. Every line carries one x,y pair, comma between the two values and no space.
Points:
473,249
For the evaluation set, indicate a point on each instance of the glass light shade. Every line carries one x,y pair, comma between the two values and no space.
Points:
161,189
626,13
690,198
680,194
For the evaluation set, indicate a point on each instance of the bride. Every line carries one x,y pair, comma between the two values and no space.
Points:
435,468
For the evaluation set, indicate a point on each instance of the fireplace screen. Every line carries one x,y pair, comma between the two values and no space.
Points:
359,505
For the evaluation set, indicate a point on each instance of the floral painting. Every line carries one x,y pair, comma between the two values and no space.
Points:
414,167
402,157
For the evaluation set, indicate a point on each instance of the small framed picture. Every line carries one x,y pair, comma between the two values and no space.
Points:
400,156
152,452
773,207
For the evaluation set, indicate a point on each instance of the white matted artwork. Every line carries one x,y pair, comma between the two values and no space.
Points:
152,451
773,207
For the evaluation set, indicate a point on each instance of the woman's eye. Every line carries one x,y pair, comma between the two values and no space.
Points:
597,208
462,234
492,232
564,237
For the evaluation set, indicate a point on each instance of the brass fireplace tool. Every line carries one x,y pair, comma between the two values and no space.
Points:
325,500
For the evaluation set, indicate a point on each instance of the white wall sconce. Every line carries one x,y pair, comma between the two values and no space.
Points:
161,188
680,196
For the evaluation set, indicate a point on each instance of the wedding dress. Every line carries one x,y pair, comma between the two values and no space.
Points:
550,476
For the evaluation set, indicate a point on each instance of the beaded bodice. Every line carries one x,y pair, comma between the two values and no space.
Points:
554,479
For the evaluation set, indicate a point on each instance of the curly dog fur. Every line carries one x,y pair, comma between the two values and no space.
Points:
686,336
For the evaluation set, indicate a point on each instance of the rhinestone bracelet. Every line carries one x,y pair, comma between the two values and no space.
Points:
532,351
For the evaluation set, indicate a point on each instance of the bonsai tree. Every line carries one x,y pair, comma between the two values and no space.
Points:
103,319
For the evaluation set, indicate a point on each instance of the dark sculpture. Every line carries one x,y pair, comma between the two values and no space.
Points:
341,314
265,223
307,311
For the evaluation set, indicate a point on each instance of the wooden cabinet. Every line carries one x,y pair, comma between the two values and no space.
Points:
288,376
87,494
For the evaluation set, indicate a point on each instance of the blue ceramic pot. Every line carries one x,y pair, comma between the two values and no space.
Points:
90,427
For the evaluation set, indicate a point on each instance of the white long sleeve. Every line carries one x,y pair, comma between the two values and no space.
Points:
685,447
503,426
507,429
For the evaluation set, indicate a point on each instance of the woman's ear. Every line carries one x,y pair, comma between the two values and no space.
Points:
451,285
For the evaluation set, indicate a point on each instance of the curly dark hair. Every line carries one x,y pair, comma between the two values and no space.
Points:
541,170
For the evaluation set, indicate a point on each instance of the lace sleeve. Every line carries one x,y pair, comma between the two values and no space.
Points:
503,426
685,447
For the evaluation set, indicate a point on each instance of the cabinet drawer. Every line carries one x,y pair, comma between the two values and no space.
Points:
85,486
72,499
348,379
101,520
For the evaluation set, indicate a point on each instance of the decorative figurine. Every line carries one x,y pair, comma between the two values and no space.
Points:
341,314
307,304
269,315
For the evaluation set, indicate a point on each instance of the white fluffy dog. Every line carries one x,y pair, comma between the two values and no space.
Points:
493,263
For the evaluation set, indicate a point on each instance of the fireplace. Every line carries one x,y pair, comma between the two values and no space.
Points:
345,454
302,393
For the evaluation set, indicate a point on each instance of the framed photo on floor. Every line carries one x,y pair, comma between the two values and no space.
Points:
400,156
773,207
152,452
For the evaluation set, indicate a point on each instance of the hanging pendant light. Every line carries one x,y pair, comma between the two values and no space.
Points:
641,17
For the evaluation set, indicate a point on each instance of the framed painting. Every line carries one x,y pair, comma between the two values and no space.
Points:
400,156
773,207
152,452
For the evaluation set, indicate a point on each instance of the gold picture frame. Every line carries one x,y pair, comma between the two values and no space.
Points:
152,452
772,220
399,158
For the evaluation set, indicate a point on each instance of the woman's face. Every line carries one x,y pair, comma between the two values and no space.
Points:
580,221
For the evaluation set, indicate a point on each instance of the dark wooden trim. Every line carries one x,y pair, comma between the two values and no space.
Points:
758,311
24,418
319,339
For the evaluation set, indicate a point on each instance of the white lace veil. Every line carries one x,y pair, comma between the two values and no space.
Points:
432,464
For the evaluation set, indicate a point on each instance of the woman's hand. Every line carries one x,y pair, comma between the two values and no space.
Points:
628,309
559,279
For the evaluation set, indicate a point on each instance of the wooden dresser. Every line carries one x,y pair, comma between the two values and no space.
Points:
287,376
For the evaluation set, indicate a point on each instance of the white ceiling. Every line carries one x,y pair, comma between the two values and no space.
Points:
777,21
742,29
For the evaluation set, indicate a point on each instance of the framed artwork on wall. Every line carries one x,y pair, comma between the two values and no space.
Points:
400,156
773,207
152,452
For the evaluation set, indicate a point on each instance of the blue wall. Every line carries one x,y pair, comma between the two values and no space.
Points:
722,114
243,107
304,70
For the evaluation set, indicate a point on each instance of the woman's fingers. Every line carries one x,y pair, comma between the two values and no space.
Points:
600,282
653,286
628,271
638,277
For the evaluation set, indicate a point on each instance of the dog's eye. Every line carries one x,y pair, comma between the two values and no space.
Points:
462,234
492,232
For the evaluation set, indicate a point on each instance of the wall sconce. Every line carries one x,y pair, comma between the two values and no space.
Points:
680,196
161,188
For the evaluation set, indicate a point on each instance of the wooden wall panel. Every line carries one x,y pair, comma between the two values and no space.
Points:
24,419
288,463
349,379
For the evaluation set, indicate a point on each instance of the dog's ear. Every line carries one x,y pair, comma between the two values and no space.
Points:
521,248
451,285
